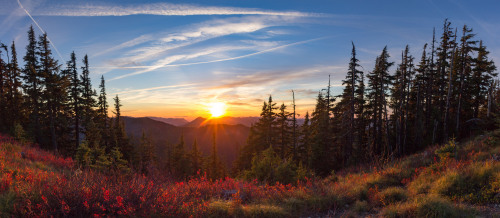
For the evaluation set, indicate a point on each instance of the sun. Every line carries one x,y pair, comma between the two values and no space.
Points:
217,109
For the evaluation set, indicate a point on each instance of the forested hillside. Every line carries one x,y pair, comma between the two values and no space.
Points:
230,138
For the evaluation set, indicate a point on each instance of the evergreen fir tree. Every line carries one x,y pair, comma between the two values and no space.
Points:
32,86
75,97
146,152
53,95
196,158
379,81
117,161
102,116
282,121
180,160
120,136
304,148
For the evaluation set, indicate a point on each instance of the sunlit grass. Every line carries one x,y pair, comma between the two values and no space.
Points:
43,184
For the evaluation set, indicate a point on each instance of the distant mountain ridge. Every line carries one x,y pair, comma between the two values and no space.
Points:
230,138
172,121
200,121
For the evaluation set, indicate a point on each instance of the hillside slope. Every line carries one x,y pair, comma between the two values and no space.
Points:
172,121
229,137
432,183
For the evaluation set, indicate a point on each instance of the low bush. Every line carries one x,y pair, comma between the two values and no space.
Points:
392,195
448,150
360,206
476,183
427,206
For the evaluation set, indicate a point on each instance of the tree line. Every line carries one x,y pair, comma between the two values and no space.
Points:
449,93
56,107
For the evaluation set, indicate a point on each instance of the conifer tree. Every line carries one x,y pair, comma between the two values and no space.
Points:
400,95
120,136
102,160
196,158
294,130
180,161
441,79
88,100
304,148
346,109
362,150
215,169
263,134
52,95
3,85
32,85
117,161
75,97
282,121
323,156
379,81
14,95
146,153
482,80
169,156
102,111
465,69
419,96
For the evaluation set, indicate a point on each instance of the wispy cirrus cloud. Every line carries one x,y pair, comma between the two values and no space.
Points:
151,52
155,44
161,9
278,77
167,62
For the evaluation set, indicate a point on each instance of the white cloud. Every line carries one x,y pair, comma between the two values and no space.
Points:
167,62
137,41
162,9
149,48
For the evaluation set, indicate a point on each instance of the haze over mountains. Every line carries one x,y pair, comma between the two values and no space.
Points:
173,121
229,137
200,121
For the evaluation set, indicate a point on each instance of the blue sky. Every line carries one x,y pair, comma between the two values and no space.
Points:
175,58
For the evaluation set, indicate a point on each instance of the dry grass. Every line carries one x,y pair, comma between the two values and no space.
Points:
421,185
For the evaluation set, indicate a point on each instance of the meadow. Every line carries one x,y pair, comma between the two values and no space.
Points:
452,180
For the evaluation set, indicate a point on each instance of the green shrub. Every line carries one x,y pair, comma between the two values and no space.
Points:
475,184
448,150
268,167
10,148
392,195
427,206
295,205
263,210
323,203
431,206
361,206
83,155
19,133
219,209
384,181
7,200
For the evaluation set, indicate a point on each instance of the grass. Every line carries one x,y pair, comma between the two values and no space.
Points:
392,195
428,184
427,206
477,183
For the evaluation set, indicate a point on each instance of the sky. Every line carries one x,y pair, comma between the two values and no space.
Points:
176,58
